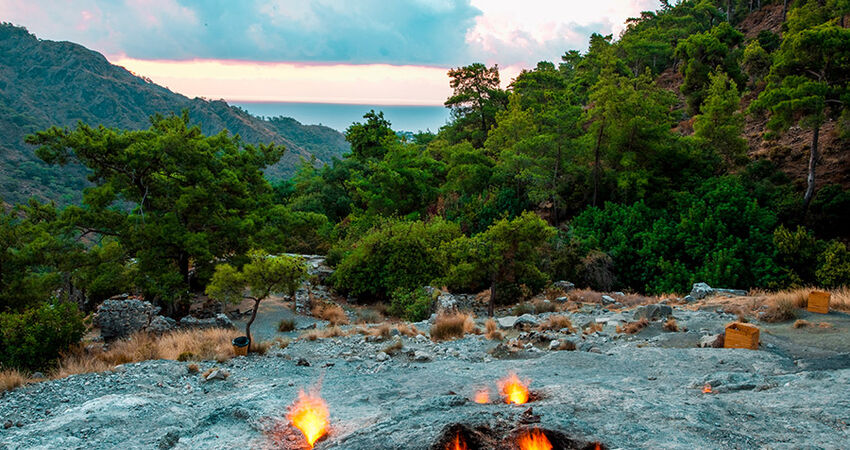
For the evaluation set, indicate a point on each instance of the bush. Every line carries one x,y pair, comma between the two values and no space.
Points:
34,338
412,305
451,326
286,325
395,255
834,265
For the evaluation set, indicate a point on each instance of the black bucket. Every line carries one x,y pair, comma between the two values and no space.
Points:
240,345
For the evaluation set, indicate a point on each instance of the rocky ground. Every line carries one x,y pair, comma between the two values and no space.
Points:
623,391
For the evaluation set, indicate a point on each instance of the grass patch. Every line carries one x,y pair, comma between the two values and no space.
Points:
11,379
800,323
394,348
543,306
671,325
323,333
492,331
782,309
331,312
557,322
286,325
452,326
593,328
369,316
633,327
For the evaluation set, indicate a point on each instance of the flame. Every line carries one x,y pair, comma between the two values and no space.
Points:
482,396
457,444
514,390
535,440
706,389
310,415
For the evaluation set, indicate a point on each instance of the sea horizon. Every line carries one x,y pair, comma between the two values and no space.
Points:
340,116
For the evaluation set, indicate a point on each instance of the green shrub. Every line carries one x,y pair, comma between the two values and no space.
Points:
395,255
413,305
33,339
834,267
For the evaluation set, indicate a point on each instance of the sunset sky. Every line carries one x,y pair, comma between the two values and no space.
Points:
388,52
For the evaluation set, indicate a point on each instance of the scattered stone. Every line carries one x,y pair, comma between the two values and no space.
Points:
219,321
382,356
554,344
525,321
690,299
446,303
507,321
217,374
711,341
561,299
608,300
302,362
565,286
421,356
169,440
118,318
37,375
162,324
701,291
8,424
733,292
653,312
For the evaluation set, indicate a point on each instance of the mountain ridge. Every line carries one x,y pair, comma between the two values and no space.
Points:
45,83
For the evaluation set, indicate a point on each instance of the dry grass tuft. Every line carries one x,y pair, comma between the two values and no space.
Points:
543,306
800,323
825,325
369,316
593,328
323,333
671,325
260,347
184,345
452,326
331,312
282,342
394,348
408,330
557,322
193,368
492,330
633,327
799,297
567,345
781,310
11,379
286,325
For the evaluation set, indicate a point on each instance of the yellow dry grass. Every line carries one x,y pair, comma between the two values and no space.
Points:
323,333
557,322
633,327
492,331
11,379
331,312
452,326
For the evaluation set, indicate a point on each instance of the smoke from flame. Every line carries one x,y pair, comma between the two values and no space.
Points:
482,396
514,390
310,415
457,444
534,440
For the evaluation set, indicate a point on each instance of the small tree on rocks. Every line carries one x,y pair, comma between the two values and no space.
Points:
263,275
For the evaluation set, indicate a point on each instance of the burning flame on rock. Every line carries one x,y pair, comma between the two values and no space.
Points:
457,444
482,396
706,389
534,440
310,415
514,390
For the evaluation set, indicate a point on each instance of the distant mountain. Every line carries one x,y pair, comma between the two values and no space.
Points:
45,83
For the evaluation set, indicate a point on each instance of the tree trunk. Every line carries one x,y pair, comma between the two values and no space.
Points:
596,163
813,161
250,321
183,264
491,307
784,10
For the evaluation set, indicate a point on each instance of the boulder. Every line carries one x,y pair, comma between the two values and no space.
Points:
701,291
525,321
421,356
382,356
446,303
733,292
608,300
506,322
561,299
217,374
565,286
554,344
653,312
118,318
219,321
162,324
711,341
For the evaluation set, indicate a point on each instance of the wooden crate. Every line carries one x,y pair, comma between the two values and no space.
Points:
819,302
741,335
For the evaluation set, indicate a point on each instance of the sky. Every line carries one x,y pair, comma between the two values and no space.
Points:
384,52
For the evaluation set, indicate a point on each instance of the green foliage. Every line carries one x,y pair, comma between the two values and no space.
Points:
395,254
33,339
798,252
757,61
702,53
412,305
263,275
194,198
370,139
476,99
834,265
720,125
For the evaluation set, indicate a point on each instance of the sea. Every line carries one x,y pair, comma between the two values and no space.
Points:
341,116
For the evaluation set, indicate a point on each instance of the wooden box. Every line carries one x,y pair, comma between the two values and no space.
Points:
819,302
741,335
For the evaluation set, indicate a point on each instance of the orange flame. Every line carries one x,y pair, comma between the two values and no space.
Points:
310,415
535,440
482,396
706,389
514,390
457,444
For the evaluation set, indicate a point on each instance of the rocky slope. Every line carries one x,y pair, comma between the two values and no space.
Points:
624,391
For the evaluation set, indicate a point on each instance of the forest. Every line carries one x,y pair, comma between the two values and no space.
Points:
587,169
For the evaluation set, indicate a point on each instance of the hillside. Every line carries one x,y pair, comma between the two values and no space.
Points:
45,83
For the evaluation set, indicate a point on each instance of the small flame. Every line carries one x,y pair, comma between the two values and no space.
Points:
534,440
706,389
310,415
457,444
514,390
482,396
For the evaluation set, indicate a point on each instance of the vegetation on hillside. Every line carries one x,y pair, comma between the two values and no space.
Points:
584,170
